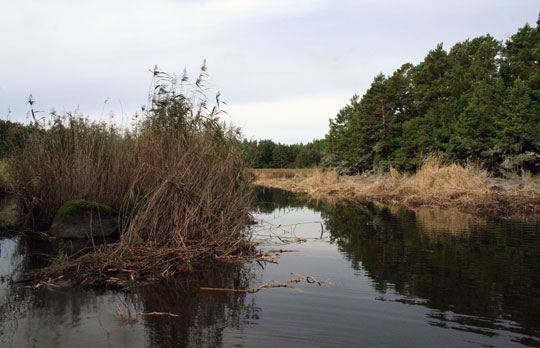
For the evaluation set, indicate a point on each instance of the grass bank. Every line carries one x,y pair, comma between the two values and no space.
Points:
436,184
176,179
281,173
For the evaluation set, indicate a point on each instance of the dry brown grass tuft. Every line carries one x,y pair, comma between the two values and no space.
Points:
437,177
321,178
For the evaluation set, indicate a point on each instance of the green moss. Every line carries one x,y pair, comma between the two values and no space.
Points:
81,206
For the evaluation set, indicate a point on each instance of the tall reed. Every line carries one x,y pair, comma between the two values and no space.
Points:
177,180
74,158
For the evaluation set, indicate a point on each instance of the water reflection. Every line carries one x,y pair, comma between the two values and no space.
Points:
396,277
62,316
203,315
476,275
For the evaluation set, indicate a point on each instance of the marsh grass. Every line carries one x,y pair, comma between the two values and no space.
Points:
434,179
73,159
280,173
176,179
437,184
320,178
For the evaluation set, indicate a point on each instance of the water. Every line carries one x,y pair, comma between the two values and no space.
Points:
391,277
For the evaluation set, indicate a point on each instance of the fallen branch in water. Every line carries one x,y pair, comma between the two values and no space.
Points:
287,284
222,289
283,251
159,313
252,290
311,279
266,258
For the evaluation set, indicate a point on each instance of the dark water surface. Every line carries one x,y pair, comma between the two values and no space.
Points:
392,278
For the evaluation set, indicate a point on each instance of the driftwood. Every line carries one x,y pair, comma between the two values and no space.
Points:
160,314
283,251
271,258
127,318
252,290
287,284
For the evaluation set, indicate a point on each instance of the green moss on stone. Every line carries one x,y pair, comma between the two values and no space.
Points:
80,206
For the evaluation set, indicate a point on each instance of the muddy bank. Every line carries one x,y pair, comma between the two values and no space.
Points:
516,198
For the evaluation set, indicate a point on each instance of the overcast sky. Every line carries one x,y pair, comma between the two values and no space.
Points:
284,67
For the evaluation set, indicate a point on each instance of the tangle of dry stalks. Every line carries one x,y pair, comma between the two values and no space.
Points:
188,205
177,180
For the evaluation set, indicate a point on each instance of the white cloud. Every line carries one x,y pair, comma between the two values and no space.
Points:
27,25
288,120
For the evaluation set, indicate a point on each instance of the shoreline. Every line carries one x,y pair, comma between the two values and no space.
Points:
517,198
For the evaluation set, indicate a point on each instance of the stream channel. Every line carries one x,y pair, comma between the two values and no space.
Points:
368,276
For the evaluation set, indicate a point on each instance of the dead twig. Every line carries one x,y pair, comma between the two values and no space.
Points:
160,314
266,258
311,279
222,289
287,284
283,251
252,290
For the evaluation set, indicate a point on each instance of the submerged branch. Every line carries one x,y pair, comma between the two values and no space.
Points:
287,284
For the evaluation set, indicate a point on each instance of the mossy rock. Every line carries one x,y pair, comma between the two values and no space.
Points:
79,206
79,219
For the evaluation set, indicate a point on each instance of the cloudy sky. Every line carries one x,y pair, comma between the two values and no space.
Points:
284,67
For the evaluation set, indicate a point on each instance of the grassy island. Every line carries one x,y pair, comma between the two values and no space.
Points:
176,180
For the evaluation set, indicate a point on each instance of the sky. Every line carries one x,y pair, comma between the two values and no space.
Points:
283,67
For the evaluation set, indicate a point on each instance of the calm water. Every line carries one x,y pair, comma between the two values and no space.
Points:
392,278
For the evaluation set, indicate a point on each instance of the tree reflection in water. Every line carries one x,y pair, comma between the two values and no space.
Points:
474,274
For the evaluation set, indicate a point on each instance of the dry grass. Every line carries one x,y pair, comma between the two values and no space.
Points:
433,181
436,184
321,178
191,207
178,182
279,173
74,159
5,177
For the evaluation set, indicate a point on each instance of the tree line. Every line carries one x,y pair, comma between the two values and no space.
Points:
268,154
477,102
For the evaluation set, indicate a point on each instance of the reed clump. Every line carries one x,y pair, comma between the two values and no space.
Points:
177,180
71,157
438,177
321,178
434,180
